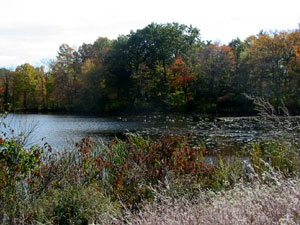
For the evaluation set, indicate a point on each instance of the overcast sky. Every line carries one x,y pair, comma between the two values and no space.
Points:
32,30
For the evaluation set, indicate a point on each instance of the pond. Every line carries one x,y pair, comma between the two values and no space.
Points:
219,134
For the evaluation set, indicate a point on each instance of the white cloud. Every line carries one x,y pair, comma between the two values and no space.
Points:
33,29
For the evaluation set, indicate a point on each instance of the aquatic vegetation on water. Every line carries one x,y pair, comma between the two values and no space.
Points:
100,182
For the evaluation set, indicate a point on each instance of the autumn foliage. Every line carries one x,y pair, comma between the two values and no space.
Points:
181,75
162,67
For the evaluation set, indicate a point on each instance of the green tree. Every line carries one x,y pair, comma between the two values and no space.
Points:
28,87
161,43
118,71
5,83
65,77
215,67
240,74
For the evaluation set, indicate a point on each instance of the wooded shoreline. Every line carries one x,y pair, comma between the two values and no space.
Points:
161,68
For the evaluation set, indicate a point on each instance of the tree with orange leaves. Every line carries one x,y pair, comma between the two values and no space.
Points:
181,75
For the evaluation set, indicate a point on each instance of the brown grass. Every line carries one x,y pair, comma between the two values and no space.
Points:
259,203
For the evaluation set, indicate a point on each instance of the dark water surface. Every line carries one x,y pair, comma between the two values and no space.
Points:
62,131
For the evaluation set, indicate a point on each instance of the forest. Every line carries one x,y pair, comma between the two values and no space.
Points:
161,67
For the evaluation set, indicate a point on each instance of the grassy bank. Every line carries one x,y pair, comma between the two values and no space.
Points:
144,181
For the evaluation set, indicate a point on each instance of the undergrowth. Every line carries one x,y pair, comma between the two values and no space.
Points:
146,181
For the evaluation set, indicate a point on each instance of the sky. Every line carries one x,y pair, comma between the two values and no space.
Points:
31,31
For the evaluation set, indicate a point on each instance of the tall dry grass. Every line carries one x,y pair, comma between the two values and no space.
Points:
256,203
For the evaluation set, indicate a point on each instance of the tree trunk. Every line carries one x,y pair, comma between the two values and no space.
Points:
25,100
165,70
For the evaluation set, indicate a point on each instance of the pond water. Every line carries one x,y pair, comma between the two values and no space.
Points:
219,134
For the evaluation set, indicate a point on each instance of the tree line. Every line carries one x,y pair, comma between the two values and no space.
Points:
162,67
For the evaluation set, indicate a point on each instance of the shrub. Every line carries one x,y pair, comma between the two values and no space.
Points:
280,154
139,162
70,205
75,205
16,162
17,166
